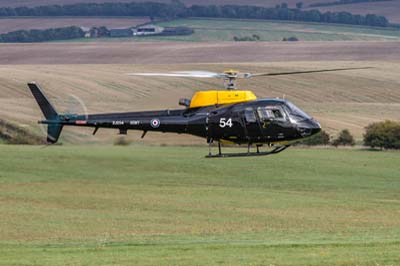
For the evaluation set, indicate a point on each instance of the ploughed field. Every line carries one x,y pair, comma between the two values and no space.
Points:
339,100
128,52
141,205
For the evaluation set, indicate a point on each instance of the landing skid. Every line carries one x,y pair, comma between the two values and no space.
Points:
248,153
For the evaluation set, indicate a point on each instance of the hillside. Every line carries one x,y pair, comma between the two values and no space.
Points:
338,100
226,29
215,30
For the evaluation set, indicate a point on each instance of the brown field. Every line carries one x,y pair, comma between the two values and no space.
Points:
390,9
338,100
94,73
11,24
130,52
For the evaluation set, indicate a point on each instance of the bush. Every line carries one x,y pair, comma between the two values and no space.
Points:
252,38
290,39
384,135
344,139
122,141
13,134
322,138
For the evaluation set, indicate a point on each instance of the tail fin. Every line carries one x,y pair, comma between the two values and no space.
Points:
54,127
47,109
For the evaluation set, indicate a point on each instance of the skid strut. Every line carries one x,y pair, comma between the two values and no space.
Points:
276,150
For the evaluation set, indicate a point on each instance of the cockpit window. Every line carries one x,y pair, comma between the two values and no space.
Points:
250,115
271,113
296,113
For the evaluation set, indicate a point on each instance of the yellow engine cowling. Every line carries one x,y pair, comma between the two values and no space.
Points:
207,98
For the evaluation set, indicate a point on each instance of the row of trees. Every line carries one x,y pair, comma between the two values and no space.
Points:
383,135
284,13
176,9
344,2
65,33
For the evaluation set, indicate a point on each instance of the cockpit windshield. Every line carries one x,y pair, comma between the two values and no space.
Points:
296,113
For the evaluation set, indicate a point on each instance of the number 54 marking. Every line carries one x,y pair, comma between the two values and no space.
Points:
224,123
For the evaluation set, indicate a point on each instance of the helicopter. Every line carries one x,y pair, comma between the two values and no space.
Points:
227,116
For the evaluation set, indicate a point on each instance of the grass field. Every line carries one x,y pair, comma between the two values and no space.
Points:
143,205
213,30
225,30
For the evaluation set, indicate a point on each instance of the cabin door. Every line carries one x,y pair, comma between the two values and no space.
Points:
251,121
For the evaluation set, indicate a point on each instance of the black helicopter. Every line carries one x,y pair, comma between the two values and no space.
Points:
229,116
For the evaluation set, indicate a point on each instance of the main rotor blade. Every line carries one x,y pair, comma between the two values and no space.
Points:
304,72
184,74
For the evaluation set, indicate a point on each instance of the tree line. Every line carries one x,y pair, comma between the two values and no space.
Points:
176,9
25,36
344,2
382,135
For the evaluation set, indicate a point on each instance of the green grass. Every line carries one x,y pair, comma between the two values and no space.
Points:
225,30
142,205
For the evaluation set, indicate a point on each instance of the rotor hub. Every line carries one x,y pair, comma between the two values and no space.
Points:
230,77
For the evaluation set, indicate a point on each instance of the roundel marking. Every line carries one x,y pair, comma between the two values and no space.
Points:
155,123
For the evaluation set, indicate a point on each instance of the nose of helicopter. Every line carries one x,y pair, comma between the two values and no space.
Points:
309,127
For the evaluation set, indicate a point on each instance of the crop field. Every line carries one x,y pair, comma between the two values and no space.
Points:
339,100
139,205
13,24
226,30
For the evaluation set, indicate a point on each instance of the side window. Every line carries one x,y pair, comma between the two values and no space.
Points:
271,113
249,115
